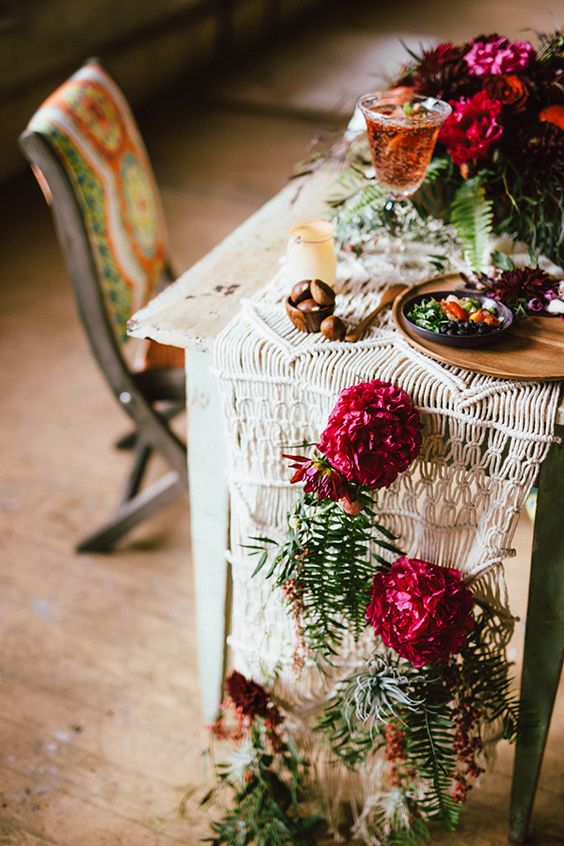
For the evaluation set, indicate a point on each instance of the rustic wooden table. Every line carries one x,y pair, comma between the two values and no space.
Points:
190,314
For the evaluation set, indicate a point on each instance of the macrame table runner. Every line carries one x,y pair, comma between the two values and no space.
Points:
458,504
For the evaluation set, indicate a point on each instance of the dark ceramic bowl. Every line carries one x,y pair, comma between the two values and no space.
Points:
460,340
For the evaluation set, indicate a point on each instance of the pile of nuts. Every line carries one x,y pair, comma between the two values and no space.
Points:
313,296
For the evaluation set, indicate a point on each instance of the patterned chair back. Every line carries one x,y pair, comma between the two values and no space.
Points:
89,124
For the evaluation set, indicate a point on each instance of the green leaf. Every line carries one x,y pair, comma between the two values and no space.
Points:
208,796
472,215
437,168
261,562
329,555
502,260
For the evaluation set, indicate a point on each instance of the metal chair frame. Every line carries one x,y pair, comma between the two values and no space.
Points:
137,393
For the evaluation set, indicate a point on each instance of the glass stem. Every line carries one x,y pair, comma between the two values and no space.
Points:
390,216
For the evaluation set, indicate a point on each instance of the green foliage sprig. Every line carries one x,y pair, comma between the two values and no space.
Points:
430,734
355,718
329,559
429,705
472,215
269,792
485,672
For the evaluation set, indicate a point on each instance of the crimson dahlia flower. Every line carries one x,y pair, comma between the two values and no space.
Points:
421,610
471,128
521,286
373,434
319,477
442,72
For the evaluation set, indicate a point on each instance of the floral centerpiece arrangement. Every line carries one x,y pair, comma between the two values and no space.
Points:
506,130
498,166
434,686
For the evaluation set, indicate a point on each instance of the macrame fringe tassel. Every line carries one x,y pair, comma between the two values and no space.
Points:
345,798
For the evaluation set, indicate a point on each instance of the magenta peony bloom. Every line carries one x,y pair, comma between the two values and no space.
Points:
319,477
421,610
471,128
373,434
498,56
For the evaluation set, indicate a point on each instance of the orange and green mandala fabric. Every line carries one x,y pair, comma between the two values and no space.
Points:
90,126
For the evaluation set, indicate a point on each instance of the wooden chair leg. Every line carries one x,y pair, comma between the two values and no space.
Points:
127,441
134,511
143,452
544,641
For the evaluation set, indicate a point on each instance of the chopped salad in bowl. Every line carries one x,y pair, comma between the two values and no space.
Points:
464,318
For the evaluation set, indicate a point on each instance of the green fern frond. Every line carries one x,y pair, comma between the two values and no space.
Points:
472,215
328,556
367,197
346,186
437,168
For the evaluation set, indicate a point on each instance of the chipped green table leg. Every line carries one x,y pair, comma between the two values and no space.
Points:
209,516
544,638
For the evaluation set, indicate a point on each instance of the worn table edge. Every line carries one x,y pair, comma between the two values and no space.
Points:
299,193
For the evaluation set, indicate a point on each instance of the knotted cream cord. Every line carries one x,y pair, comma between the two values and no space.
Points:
458,504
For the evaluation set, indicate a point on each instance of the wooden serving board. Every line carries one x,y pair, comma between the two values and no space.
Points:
533,349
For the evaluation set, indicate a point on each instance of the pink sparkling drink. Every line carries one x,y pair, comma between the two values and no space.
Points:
402,131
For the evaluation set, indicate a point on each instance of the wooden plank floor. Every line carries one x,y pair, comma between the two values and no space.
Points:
100,735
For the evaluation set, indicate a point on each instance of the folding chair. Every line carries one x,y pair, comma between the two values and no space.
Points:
89,158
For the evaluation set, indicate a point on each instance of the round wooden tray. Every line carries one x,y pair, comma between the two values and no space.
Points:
533,349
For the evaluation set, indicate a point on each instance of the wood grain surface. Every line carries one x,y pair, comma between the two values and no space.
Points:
533,349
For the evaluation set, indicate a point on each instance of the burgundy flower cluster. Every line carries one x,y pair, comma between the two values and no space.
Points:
523,289
294,595
421,611
251,699
396,754
505,97
248,701
372,435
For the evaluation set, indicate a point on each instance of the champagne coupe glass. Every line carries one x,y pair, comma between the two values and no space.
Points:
402,131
